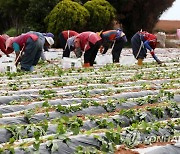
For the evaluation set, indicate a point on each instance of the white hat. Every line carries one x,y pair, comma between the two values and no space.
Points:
49,40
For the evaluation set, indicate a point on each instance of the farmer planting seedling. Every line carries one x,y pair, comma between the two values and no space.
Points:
116,38
142,41
63,37
28,48
87,43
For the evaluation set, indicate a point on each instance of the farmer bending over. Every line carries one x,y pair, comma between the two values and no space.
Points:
142,41
116,38
28,48
87,43
3,39
63,37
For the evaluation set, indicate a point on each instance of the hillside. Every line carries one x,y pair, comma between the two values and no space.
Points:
169,26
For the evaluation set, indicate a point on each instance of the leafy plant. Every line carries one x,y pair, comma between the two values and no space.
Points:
15,132
130,113
47,93
28,114
14,102
36,145
86,150
103,123
103,80
52,146
46,104
61,129
59,83
157,111
109,106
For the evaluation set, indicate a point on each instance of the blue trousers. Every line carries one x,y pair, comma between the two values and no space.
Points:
31,54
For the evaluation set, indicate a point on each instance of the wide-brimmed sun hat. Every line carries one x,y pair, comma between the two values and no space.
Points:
49,40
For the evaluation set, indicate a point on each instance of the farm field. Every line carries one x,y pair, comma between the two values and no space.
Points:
122,109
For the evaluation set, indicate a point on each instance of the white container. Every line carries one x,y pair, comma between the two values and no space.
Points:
178,33
103,59
51,55
71,63
161,39
7,64
127,60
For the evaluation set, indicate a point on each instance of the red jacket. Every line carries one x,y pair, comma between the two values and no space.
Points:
82,40
151,38
21,39
69,33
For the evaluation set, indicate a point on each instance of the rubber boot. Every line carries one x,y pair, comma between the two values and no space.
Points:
140,62
86,65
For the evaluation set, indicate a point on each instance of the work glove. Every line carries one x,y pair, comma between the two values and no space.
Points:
155,57
152,53
159,62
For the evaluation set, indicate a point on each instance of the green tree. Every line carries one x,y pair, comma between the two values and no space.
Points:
101,14
139,14
14,11
4,24
80,1
67,15
36,13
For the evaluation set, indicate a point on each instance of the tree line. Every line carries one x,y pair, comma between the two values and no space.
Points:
80,15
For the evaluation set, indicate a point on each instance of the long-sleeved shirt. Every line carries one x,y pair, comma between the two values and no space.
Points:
20,41
82,40
149,40
112,35
69,33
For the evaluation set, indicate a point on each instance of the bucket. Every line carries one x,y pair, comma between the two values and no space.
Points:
103,59
178,33
7,64
71,63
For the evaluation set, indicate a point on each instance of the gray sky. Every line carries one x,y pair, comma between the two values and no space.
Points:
173,13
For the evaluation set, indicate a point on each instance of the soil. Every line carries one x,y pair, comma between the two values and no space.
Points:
154,144
123,150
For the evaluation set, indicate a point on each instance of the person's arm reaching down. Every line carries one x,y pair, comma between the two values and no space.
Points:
147,46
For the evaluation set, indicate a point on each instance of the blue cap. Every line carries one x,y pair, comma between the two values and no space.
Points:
49,34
